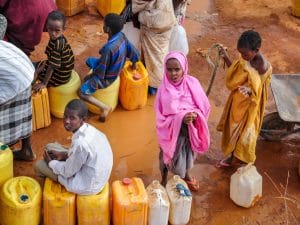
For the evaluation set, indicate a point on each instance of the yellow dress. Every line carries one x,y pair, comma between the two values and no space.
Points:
242,116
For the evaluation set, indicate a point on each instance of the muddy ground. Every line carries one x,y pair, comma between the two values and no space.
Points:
132,133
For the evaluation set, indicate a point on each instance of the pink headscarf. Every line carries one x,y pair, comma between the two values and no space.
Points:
172,102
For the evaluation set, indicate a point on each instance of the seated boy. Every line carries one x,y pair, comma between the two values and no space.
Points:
107,68
85,168
56,70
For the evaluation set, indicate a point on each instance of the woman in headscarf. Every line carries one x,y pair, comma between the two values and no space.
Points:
182,109
157,20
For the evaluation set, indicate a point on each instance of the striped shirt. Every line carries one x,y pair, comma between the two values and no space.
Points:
61,58
113,57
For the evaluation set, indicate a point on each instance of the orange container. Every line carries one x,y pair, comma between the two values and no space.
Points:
130,202
296,8
110,6
93,209
40,110
70,7
59,204
133,86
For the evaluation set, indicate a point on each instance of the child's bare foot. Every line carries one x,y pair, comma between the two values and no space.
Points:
104,114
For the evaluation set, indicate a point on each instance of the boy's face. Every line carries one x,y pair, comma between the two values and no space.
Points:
247,54
55,28
72,122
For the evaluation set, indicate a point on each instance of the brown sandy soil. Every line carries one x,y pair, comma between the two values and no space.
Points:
132,133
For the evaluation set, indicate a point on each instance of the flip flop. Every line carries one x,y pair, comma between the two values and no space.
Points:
23,157
193,184
222,164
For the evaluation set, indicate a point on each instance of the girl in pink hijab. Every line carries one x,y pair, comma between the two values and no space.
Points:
182,110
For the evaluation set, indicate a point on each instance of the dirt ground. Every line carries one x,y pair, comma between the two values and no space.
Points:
132,133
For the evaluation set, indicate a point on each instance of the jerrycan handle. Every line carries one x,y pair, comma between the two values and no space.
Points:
244,169
126,181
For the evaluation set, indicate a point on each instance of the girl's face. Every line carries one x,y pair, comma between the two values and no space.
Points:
174,70
72,122
55,28
247,54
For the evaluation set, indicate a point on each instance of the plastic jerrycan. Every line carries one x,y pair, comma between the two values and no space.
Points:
130,202
110,6
20,202
246,186
134,86
40,109
180,204
70,7
59,204
296,8
94,209
6,163
158,204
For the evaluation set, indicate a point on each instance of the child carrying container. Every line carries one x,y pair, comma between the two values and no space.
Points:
85,168
108,67
56,70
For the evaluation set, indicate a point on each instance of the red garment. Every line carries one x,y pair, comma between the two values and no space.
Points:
25,21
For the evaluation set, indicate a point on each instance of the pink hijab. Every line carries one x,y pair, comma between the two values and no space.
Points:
172,102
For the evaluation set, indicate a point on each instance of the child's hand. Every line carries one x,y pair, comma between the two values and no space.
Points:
38,86
47,157
57,155
189,118
222,51
246,91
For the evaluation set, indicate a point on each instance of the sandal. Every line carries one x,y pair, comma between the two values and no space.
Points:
223,164
193,184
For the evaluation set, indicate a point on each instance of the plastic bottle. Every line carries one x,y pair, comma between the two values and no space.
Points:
158,204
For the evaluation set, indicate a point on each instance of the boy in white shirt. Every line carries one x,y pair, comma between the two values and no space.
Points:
85,168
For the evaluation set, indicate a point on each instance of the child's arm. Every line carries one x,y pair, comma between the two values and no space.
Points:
132,54
44,83
224,55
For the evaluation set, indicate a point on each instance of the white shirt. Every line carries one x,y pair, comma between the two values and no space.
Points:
16,71
89,163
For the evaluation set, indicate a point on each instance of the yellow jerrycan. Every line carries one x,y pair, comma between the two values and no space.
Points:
130,202
6,163
40,109
134,86
60,96
110,6
109,96
20,202
296,8
70,7
59,204
93,209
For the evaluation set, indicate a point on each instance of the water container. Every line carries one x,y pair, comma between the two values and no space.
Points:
20,202
134,86
60,96
246,186
59,204
94,209
130,202
40,109
158,204
6,163
110,6
70,7
108,96
296,8
180,206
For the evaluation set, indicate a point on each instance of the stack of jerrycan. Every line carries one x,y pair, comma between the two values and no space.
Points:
6,163
20,202
59,204
134,86
130,202
246,186
158,204
40,109
61,95
93,209
70,7
110,6
180,201
296,8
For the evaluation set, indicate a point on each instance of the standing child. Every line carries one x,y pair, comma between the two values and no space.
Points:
85,168
182,110
56,70
107,68
247,78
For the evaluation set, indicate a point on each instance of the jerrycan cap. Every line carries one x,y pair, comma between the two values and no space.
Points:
23,198
136,76
3,147
126,181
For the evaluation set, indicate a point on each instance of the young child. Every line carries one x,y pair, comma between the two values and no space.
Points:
182,109
56,70
85,168
247,78
108,67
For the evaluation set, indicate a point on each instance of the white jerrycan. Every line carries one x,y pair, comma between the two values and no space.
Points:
246,186
158,204
180,201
